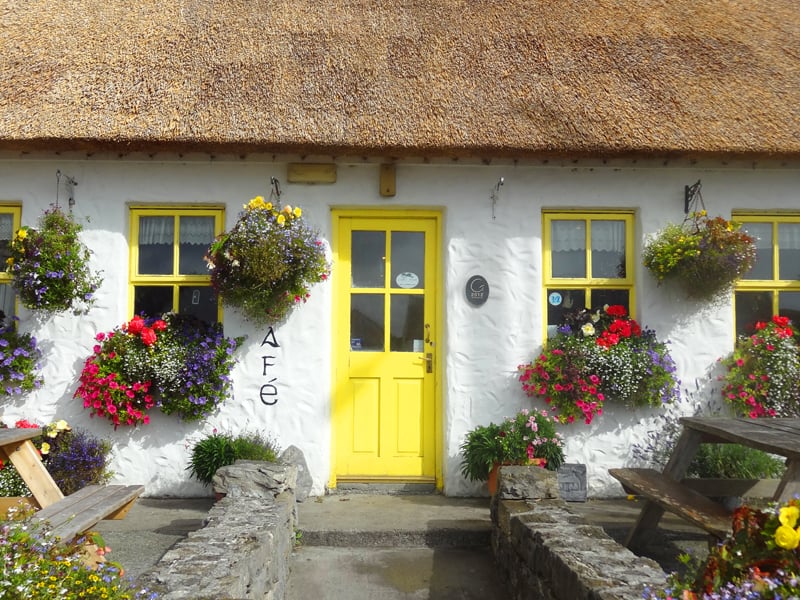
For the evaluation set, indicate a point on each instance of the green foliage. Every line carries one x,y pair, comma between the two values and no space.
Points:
265,266
704,255
49,266
734,461
34,566
762,376
527,438
221,449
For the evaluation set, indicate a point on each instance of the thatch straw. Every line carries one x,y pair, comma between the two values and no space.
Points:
513,78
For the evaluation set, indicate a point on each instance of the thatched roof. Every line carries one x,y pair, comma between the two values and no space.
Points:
480,78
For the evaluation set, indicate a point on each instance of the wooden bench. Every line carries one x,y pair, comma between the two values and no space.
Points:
675,497
79,512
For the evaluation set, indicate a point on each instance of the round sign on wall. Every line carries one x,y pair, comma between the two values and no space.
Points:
477,291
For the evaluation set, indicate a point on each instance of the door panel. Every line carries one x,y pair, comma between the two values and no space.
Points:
385,407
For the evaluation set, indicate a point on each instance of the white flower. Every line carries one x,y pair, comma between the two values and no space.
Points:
588,330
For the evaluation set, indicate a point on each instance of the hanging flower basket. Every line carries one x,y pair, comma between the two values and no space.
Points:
599,357
266,264
704,256
49,265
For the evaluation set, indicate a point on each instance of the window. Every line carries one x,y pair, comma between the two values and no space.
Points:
772,286
587,262
168,273
9,223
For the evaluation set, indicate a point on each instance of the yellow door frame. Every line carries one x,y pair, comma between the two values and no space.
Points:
337,214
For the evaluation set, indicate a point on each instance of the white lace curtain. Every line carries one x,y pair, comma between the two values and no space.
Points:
161,230
788,235
6,227
608,236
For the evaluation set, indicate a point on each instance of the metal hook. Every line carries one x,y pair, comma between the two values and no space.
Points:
276,187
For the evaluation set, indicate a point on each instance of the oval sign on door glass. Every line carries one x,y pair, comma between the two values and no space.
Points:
407,280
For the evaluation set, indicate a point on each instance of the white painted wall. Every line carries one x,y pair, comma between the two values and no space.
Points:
482,346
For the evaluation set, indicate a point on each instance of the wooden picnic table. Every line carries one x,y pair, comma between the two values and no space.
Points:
665,490
17,446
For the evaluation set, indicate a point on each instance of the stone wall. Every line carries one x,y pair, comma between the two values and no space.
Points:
243,551
546,552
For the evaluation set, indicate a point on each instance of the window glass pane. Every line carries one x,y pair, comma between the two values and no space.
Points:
152,300
408,259
196,235
604,297
752,307
368,259
789,250
156,239
6,235
560,302
198,301
608,249
7,304
789,306
762,269
407,323
366,322
568,248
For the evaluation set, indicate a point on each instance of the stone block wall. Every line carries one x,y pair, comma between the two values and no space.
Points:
243,551
546,552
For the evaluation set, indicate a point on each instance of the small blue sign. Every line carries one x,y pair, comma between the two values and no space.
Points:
555,299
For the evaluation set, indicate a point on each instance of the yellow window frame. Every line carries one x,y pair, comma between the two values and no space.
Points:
587,283
15,210
775,285
174,280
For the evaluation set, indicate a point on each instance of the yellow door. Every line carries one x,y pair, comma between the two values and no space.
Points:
385,347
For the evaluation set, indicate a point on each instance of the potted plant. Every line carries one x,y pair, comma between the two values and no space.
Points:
178,363
598,357
49,265
704,255
762,376
266,264
529,438
220,449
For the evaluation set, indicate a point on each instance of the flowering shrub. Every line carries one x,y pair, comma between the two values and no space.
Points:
266,264
759,560
706,256
74,459
179,363
49,266
34,565
19,360
530,437
598,357
763,372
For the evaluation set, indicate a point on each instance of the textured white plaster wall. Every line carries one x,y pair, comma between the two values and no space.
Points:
480,347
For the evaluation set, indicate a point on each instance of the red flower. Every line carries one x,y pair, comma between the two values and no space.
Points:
135,325
148,336
616,310
160,325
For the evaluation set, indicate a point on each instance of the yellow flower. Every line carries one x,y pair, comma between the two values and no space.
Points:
297,212
287,209
786,537
255,203
45,449
281,219
10,261
22,234
268,206
62,425
788,515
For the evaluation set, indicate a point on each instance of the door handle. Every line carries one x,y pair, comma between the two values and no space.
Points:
429,362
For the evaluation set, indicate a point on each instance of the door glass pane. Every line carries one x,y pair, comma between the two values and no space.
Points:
789,306
407,323
408,259
368,259
198,301
752,307
7,304
560,303
366,322
789,250
762,269
568,246
196,235
152,300
6,235
156,239
608,249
